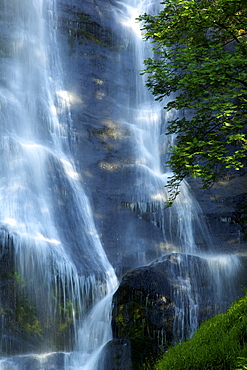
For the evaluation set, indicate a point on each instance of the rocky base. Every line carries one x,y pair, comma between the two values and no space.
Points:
158,305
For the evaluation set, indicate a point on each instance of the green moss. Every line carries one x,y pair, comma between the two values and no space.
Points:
130,320
63,329
218,344
32,324
28,325
26,319
82,33
83,17
84,29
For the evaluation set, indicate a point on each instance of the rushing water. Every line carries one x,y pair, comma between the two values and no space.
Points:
183,226
59,260
45,214
147,122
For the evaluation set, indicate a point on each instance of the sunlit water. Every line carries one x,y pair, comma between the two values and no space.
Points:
44,209
183,225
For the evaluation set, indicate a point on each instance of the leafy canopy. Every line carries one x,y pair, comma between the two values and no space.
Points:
200,59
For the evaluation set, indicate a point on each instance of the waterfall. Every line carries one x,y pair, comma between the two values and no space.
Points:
184,230
46,218
147,122
58,267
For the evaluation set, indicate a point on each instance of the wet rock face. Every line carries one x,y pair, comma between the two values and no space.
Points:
153,301
224,208
142,306
19,330
99,72
117,355
23,326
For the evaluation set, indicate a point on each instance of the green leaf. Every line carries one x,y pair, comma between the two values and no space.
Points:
200,60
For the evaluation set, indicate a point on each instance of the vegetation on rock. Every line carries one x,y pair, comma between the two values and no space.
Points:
85,29
200,60
220,343
26,325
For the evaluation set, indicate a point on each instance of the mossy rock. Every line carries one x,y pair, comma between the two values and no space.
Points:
144,304
84,28
25,326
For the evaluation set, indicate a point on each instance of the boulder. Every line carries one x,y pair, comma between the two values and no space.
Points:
160,304
117,355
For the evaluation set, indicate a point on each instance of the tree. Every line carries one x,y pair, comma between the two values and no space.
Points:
200,60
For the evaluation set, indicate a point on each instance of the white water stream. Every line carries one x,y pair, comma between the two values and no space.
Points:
39,182
183,226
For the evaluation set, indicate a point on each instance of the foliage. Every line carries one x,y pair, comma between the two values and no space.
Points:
200,60
242,363
26,318
31,322
220,343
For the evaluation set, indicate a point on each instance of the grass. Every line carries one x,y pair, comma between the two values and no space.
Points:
219,344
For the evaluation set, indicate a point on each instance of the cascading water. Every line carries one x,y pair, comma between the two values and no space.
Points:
147,121
46,219
47,224
183,226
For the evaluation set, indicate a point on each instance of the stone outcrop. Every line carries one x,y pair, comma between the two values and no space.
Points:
97,55
153,301
117,355
224,209
23,327
19,329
